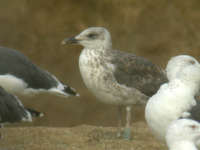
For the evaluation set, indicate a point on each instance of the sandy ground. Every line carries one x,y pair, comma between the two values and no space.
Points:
82,137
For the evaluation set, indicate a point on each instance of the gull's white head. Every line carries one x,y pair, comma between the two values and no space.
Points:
182,131
190,73
190,76
92,38
175,64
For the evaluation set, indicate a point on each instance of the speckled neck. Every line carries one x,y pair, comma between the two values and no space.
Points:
102,51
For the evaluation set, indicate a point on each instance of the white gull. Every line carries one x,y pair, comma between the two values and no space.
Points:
176,99
182,134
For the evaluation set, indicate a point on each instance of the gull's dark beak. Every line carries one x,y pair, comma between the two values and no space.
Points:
69,41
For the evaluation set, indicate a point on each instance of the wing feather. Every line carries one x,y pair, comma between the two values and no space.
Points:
137,72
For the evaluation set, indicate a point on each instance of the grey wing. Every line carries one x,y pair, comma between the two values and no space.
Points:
15,63
139,73
11,109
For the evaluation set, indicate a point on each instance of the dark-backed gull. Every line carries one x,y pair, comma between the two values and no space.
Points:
176,99
182,134
20,76
115,77
12,110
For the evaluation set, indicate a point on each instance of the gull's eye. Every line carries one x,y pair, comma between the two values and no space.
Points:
192,62
193,127
91,35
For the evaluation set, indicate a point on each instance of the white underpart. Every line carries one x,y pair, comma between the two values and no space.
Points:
12,84
17,86
183,145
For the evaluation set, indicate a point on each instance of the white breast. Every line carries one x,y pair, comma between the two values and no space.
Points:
168,104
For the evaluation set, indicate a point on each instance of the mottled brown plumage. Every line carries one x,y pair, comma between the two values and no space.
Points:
114,77
137,72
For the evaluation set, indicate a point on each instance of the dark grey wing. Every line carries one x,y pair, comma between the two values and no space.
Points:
15,63
137,72
11,109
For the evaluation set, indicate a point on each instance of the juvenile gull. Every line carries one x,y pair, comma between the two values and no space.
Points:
115,77
175,99
20,76
183,134
12,110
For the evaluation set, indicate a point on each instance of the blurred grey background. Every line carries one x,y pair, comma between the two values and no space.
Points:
154,29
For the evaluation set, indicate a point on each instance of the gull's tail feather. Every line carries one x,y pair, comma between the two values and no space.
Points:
34,113
69,90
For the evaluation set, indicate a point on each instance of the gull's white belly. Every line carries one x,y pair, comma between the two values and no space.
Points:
12,84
